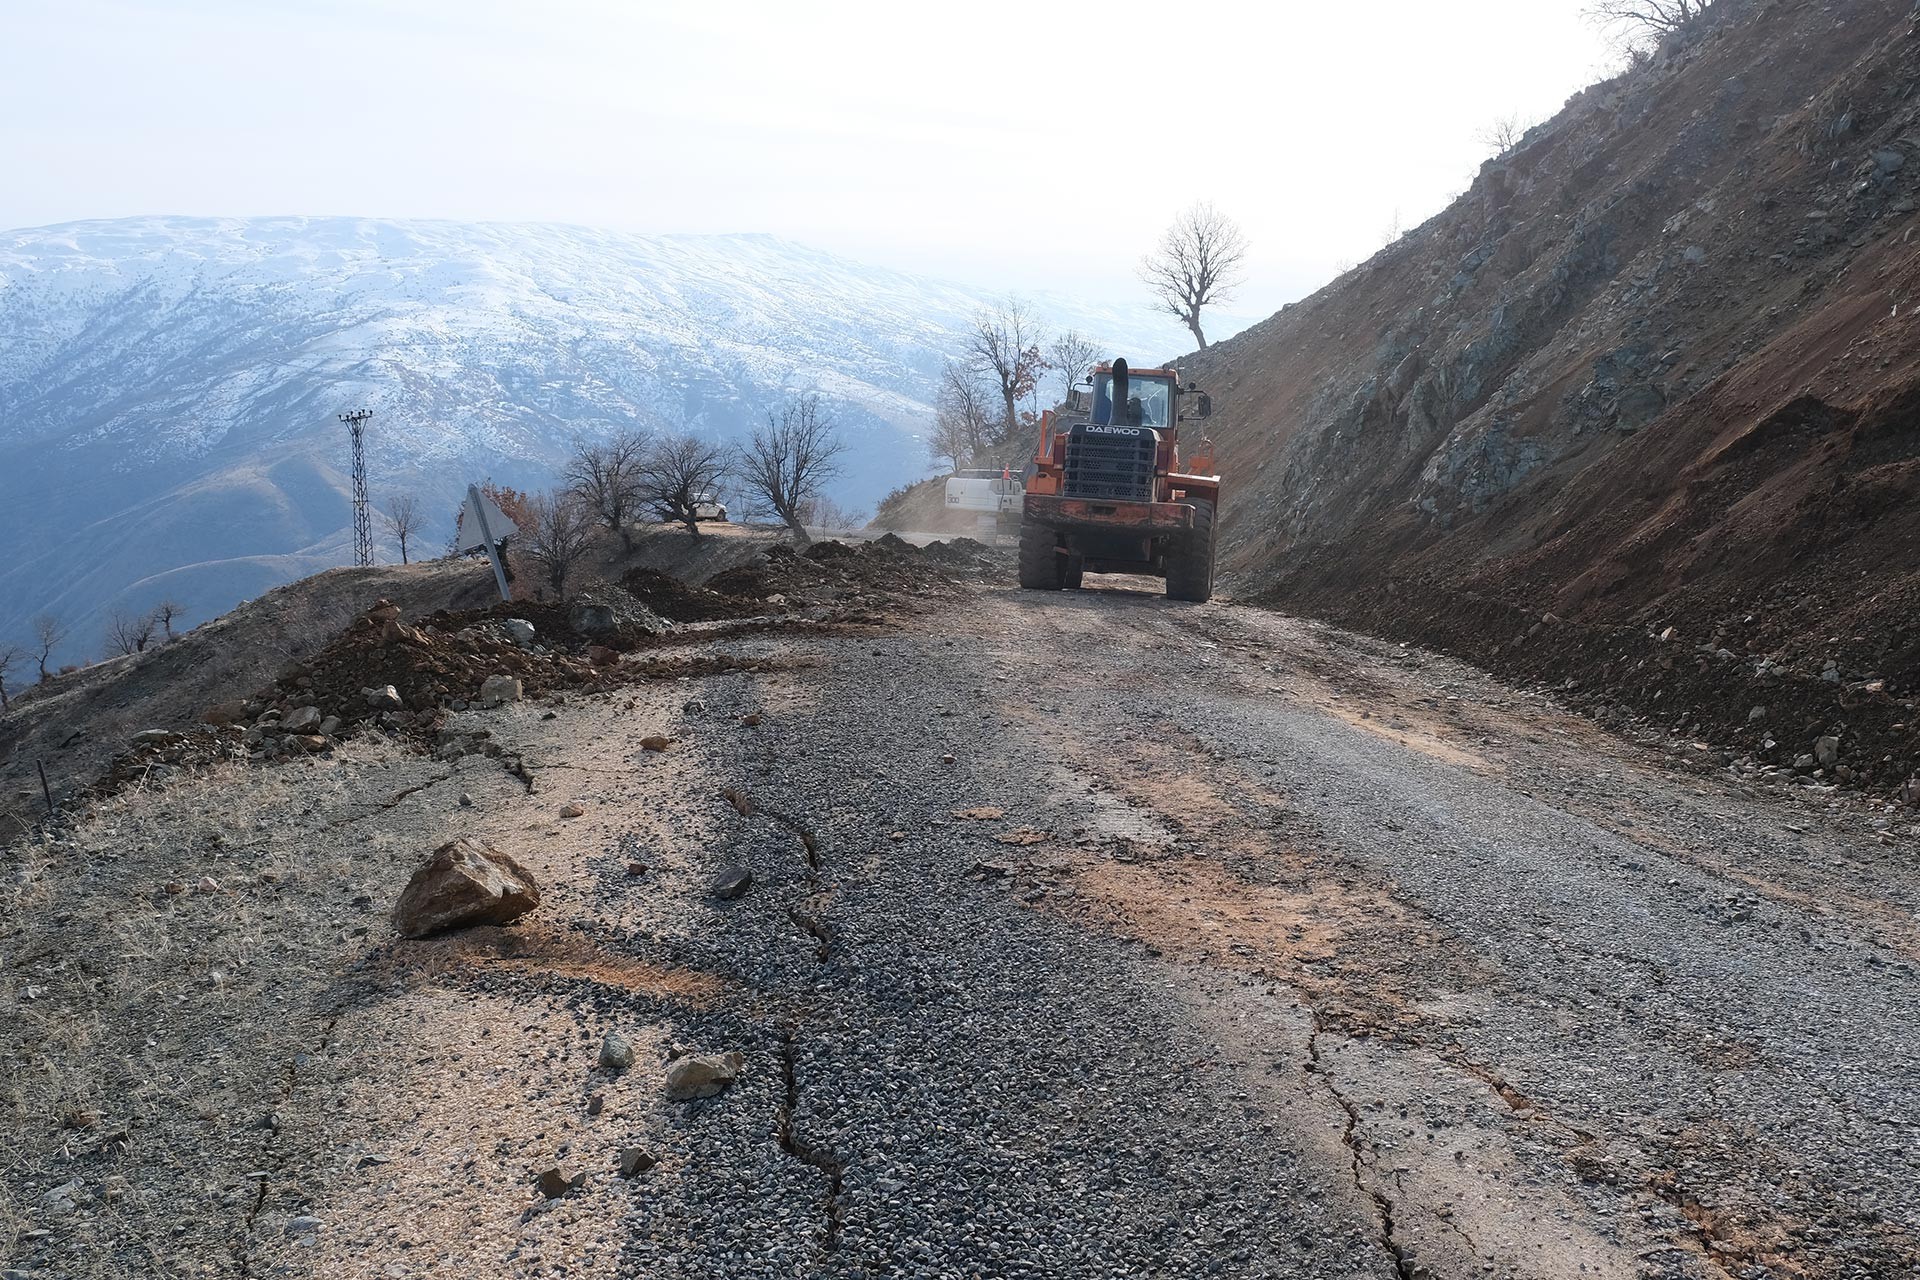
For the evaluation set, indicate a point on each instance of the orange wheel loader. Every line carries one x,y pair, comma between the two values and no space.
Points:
1110,493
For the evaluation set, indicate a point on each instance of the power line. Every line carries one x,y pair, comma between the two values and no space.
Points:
362,512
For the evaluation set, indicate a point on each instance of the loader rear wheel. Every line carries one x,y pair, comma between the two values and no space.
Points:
1190,567
1041,567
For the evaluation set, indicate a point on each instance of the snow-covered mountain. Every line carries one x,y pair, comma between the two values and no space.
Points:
169,386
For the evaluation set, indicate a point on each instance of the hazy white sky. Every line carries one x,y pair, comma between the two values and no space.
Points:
1025,146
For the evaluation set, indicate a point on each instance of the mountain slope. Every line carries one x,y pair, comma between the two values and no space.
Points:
1656,368
168,386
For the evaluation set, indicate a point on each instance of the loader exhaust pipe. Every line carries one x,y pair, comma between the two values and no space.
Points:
1119,416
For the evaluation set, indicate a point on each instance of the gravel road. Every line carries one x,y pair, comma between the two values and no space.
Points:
1090,935
1289,953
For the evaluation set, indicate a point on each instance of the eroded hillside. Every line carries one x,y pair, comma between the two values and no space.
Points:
1652,370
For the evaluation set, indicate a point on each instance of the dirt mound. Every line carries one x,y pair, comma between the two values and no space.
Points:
678,601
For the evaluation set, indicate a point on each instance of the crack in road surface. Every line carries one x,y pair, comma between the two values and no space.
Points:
791,1141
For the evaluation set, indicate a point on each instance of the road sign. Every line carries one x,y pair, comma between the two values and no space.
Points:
484,524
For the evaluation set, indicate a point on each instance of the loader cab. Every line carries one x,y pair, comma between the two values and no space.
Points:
1149,400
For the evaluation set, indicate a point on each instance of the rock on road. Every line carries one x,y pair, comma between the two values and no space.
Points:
1093,935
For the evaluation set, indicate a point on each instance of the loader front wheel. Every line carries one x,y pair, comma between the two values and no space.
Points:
1190,567
1041,566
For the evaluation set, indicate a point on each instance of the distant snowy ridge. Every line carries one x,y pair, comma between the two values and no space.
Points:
168,386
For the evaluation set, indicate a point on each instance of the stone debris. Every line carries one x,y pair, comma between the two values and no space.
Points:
635,1161
702,1076
498,690
732,883
465,882
616,1052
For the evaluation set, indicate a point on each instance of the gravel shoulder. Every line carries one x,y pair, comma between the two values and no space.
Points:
1089,935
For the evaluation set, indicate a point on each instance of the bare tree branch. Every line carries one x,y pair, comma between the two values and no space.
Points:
165,612
1197,264
48,634
402,515
1072,356
127,633
1004,347
606,476
784,464
674,473
1640,24
559,535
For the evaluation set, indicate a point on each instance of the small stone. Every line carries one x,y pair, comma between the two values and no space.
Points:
636,868
152,737
304,1225
598,1102
732,883
1826,751
635,1161
466,800
750,722
571,811
947,759
656,742
330,727
496,690
554,1183
302,720
224,713
520,631
702,1076
1758,713
616,1052
384,698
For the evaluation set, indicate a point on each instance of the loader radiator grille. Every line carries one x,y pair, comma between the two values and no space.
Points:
1111,466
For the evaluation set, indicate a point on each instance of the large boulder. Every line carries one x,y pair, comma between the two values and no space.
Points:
465,882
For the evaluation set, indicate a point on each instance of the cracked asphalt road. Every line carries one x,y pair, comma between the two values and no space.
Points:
1090,935
1157,940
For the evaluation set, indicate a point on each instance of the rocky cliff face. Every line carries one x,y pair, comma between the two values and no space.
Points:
1648,369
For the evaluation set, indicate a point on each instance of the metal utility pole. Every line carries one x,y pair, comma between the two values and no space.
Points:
362,512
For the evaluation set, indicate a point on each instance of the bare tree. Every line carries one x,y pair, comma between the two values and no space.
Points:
824,513
1504,134
9,655
558,536
966,418
165,612
48,634
1072,356
401,515
606,476
1640,24
784,464
127,633
1198,263
1003,346
676,473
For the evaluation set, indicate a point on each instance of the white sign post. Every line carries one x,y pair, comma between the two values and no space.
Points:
484,524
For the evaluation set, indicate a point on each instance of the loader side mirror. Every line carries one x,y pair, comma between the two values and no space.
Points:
1202,407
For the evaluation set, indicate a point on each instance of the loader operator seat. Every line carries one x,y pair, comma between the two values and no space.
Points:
1134,414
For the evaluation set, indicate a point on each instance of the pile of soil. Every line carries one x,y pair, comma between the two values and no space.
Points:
678,601
885,573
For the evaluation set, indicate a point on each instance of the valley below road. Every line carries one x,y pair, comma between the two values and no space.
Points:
1090,935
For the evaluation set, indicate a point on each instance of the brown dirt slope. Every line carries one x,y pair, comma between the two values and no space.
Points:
1655,369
